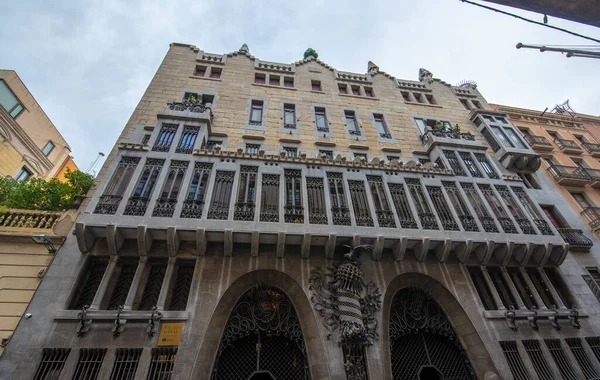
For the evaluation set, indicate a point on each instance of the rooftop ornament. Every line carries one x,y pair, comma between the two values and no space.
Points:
425,74
372,67
244,49
310,52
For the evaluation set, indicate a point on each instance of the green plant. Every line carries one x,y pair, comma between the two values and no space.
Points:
191,98
456,128
310,52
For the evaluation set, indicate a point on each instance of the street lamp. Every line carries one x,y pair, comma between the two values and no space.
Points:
45,240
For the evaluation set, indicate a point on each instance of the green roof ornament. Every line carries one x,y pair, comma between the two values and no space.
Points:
310,52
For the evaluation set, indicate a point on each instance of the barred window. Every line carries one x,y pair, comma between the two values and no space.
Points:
454,163
558,283
502,287
110,200
163,361
522,287
180,289
290,152
360,203
138,202
89,282
464,215
188,139
165,138
124,273
126,363
89,363
154,280
252,148
244,208
515,362
498,209
542,287
536,355
593,281
165,204
515,210
470,164
53,361
269,211
400,199
427,218
589,370
480,209
385,216
532,211
486,165
194,202
317,212
562,362
443,211
219,208
294,211
339,205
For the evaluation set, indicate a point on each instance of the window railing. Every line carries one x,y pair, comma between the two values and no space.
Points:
576,239
244,211
137,206
293,214
564,144
385,135
593,215
537,140
593,174
165,207
447,134
190,106
354,132
108,204
592,148
192,209
574,172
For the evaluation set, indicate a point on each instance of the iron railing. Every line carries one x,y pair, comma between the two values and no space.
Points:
572,172
564,144
576,239
537,140
593,215
592,148
108,204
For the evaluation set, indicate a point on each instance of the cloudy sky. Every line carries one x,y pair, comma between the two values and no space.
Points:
88,62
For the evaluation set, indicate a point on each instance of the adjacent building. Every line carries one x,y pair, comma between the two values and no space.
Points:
30,144
265,220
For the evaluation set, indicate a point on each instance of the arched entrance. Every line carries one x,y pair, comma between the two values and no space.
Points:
423,344
262,340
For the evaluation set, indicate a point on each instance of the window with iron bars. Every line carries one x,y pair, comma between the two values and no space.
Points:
53,361
540,365
321,120
454,163
188,139
289,116
269,210
162,363
428,220
443,211
460,207
194,202
89,363
486,165
126,363
339,204
165,204
221,197
317,211
515,210
360,203
89,282
515,362
111,198
498,209
470,164
532,211
178,295
165,138
245,206
481,210
138,202
294,211
385,215
402,205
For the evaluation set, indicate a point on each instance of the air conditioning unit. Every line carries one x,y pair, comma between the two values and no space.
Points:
41,272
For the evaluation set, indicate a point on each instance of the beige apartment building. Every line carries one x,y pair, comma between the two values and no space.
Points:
30,144
266,220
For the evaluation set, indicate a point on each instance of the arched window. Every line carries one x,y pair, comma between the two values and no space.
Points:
423,343
262,339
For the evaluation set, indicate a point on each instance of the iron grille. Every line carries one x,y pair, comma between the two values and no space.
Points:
482,213
516,211
419,326
165,138
564,366
192,206
219,208
339,205
360,203
482,288
165,204
470,164
245,205
53,361
486,165
594,343
113,194
588,369
91,282
454,163
427,218
456,199
501,214
532,210
138,202
126,363
153,286
262,336
163,361
269,210
400,199
188,139
515,363
385,216
537,358
122,286
89,363
182,286
293,211
317,212
354,361
443,211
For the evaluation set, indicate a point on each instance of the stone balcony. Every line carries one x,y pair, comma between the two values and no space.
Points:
593,216
592,149
568,146
578,242
434,138
570,175
539,143
188,110
25,223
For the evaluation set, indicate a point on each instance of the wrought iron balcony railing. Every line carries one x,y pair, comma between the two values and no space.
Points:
244,211
594,175
593,149
293,214
341,216
108,204
190,106
538,142
165,207
569,175
192,209
385,218
593,215
568,145
137,206
577,240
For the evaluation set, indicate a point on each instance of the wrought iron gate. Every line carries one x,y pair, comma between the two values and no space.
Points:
423,342
262,339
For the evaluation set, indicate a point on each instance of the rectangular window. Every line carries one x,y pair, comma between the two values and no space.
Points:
443,211
476,104
215,72
454,163
514,137
317,212
89,282
470,164
288,82
532,211
274,80
351,123
390,158
269,210
188,139
124,273
126,363
482,288
355,90
402,205
48,148
498,209
315,85
405,96
294,211
155,272
53,361
321,119
22,174
515,362
245,206
418,97
260,78
477,203
219,208
165,204
486,165
360,203
499,282
194,202
163,361
558,283
109,201
138,202
180,289
562,362
145,139
381,126
290,152
465,104
89,363
515,210
252,148
487,135
430,99
165,138
534,351
542,287
428,220
369,92
504,140
200,71
327,153
385,216
256,112
339,204
9,101
522,287
581,200
343,88
289,116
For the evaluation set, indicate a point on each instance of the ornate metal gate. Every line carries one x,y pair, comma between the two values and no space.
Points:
423,342
262,339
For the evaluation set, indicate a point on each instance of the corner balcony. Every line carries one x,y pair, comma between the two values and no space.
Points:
539,143
570,175
432,138
592,149
188,110
578,242
568,146
593,216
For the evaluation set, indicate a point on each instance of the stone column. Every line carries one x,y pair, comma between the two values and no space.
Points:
135,283
110,268
493,290
164,290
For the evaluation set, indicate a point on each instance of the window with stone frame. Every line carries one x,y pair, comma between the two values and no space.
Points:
188,139
200,71
145,139
486,165
405,96
441,206
529,180
428,220
478,205
316,85
402,205
288,82
515,210
294,209
559,284
383,211
274,80
151,285
196,193
460,207
360,203
290,152
317,210
289,116
114,191
369,92
215,72
165,204
321,120
269,210
89,363
430,99
522,287
221,196
454,163
470,164
212,144
497,208
327,153
48,148
343,88
418,97
532,211
246,200
515,362
542,287
563,363
120,283
162,363
256,112
482,288
585,364
252,148
355,90
88,282
381,126
52,363
181,284
465,103
139,200
9,101
477,104
126,363
165,138
500,283
351,123
339,204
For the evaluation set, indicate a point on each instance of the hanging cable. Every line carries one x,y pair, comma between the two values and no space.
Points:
531,21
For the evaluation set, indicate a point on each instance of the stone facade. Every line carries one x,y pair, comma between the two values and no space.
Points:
215,195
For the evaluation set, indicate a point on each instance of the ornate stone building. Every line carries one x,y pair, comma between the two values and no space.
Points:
262,220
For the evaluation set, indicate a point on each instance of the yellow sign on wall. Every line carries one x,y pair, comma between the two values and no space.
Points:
170,334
